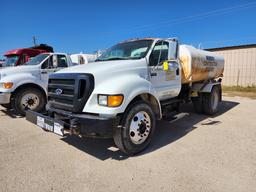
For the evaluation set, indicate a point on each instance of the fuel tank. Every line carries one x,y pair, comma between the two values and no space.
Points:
199,65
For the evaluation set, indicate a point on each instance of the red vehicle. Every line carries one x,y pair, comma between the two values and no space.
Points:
20,56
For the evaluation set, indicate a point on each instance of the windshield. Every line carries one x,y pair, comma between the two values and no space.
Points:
37,59
11,60
128,50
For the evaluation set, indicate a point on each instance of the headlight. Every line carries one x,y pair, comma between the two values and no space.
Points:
110,100
103,100
6,85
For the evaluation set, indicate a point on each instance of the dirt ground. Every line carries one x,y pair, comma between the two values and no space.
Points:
191,153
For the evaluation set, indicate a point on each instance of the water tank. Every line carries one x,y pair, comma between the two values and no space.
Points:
199,65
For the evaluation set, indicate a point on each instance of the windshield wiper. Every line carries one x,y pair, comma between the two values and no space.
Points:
112,58
99,60
117,58
121,58
135,57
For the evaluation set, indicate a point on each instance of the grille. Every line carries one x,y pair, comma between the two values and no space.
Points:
69,91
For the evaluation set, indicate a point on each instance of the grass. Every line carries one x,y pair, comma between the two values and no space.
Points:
249,91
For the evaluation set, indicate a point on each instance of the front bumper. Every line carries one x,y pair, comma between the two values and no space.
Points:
77,124
5,98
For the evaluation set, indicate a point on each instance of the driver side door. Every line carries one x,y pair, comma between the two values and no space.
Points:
47,68
53,64
167,83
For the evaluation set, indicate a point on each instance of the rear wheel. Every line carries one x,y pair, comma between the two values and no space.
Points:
198,103
29,98
137,128
211,101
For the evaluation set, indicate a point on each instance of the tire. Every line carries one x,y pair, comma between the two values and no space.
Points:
137,128
7,106
198,103
28,98
211,101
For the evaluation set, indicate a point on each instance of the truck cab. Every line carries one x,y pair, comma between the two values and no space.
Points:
20,56
25,86
128,88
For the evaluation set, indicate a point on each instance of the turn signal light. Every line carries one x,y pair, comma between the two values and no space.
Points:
110,100
115,100
7,85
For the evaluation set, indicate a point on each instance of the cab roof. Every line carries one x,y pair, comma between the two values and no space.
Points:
25,50
146,38
56,53
138,39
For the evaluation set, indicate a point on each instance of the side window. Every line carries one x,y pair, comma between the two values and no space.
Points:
159,53
48,64
62,61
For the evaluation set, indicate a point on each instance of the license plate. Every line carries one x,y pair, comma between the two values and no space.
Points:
58,128
50,125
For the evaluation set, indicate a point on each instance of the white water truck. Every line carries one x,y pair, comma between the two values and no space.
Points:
128,88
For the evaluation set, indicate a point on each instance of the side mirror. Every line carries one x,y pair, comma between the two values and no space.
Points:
166,65
55,61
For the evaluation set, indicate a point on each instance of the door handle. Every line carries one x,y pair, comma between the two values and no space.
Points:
44,72
177,71
153,74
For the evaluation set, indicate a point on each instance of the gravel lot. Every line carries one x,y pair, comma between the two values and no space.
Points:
192,153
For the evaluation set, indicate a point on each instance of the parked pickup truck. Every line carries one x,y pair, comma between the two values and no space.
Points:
128,88
25,87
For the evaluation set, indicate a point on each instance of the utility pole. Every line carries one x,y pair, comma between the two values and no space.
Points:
34,40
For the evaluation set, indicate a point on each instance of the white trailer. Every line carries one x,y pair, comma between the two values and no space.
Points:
83,58
128,88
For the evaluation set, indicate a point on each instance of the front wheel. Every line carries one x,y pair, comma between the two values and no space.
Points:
137,128
29,98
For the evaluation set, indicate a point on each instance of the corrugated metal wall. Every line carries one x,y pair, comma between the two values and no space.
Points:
240,67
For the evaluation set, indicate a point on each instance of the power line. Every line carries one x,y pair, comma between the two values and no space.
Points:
245,38
167,23
200,16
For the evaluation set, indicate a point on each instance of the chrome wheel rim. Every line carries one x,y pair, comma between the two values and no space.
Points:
140,127
30,100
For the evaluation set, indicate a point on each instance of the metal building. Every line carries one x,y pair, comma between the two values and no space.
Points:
240,64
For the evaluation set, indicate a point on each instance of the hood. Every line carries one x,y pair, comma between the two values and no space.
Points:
101,67
19,69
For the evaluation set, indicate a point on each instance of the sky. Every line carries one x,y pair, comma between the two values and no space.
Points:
75,26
